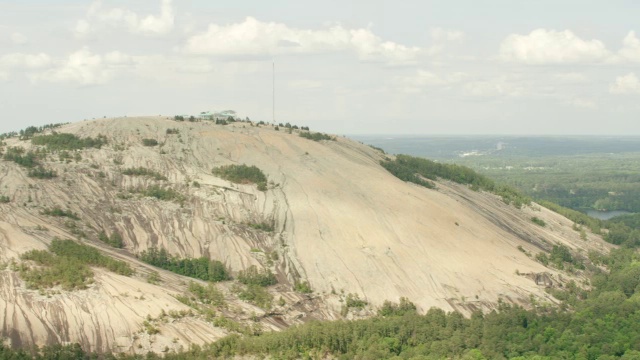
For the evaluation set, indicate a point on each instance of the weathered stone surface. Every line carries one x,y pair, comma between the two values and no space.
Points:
341,222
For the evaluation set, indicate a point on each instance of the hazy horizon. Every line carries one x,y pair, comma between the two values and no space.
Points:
390,134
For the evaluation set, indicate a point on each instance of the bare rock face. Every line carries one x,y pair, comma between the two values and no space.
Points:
340,222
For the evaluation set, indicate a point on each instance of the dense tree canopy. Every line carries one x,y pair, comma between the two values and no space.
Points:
201,268
64,141
420,171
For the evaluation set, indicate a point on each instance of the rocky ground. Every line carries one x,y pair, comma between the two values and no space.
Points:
340,221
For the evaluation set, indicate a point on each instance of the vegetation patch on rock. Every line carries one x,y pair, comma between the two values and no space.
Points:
253,276
201,268
30,161
59,212
42,173
67,264
142,171
242,174
536,220
255,294
30,131
413,169
161,193
207,294
21,157
149,142
264,226
64,141
64,271
560,257
316,136
115,240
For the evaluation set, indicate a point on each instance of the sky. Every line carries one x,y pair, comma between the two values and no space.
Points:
419,67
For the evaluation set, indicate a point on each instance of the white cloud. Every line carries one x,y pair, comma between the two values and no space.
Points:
305,84
118,58
159,24
510,85
81,67
256,38
370,47
543,46
194,65
627,84
571,78
173,69
25,61
424,79
427,78
487,89
631,47
440,35
582,103
19,39
97,17
82,28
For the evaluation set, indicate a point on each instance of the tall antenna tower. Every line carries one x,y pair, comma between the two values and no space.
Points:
273,105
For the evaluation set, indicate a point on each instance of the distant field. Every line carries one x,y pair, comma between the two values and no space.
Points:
601,173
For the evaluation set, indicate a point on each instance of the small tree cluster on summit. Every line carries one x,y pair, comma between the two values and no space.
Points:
316,136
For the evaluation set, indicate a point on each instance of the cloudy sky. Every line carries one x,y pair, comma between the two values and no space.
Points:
346,67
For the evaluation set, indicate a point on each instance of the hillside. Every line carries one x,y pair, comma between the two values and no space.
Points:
330,216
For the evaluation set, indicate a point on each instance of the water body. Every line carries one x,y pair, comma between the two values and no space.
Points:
606,215
456,146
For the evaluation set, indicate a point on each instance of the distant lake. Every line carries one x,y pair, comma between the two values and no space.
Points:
606,215
454,147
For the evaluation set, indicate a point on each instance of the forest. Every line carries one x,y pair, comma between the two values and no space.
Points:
578,172
594,181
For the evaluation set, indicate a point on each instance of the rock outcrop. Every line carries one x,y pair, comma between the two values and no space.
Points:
340,222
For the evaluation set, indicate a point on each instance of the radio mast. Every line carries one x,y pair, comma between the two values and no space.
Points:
273,105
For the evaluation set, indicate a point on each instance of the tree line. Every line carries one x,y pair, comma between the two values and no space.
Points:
420,171
64,141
